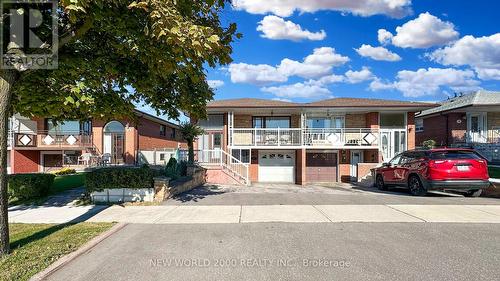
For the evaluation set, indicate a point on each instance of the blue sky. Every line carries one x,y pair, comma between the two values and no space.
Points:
441,47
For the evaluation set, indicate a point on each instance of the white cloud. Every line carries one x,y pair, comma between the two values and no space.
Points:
255,73
482,53
285,8
377,53
488,73
315,65
429,81
354,77
384,36
298,90
423,32
276,28
215,83
281,99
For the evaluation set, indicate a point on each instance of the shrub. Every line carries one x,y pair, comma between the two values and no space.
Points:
64,171
171,169
119,177
429,144
29,186
182,168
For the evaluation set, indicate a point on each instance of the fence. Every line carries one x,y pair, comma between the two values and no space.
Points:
156,156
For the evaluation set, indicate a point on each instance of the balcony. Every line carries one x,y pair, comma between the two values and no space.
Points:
50,140
297,137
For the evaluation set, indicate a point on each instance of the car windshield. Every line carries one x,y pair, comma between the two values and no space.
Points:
455,154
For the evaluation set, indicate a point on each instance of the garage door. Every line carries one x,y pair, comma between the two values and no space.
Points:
277,166
321,167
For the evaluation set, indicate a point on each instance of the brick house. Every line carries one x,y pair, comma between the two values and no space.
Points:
470,120
326,141
38,145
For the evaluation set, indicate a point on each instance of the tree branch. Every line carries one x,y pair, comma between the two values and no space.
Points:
86,26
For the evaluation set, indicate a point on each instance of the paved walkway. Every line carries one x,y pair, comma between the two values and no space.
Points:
300,214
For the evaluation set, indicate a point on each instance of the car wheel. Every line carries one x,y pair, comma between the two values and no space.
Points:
473,193
380,183
416,187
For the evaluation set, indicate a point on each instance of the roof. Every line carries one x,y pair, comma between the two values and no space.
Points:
250,102
335,102
473,99
154,118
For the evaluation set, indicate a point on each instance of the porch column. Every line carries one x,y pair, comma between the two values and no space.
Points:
230,122
300,163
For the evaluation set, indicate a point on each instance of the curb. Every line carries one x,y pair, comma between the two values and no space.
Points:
64,260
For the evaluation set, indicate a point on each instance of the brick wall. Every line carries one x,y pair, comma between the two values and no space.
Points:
355,121
410,120
435,129
242,121
372,120
254,166
300,166
25,161
150,138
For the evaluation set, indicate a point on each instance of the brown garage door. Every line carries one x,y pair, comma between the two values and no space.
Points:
321,167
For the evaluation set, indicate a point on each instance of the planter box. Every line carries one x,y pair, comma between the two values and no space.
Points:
123,195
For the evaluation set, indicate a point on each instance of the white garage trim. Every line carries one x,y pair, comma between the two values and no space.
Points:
277,166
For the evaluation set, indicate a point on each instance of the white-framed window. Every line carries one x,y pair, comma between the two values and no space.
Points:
419,125
241,154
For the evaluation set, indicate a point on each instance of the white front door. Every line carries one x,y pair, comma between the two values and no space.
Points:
356,157
392,142
476,127
277,166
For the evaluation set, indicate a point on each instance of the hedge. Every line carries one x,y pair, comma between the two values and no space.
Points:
29,186
119,177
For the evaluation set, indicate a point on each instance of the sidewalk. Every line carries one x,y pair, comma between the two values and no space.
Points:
300,213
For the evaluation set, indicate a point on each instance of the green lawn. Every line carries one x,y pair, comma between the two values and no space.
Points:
62,183
494,172
35,246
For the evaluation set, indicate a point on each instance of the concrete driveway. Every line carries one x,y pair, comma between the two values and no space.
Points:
292,251
334,194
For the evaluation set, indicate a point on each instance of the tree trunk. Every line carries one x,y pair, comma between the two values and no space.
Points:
190,152
7,78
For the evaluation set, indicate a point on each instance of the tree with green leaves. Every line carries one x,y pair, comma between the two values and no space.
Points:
111,55
190,133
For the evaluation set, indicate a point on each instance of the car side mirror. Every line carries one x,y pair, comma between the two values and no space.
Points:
386,164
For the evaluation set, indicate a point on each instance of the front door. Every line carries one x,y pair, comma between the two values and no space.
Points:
208,143
356,157
477,127
114,146
392,142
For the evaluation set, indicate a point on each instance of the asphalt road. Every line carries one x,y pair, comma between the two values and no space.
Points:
293,251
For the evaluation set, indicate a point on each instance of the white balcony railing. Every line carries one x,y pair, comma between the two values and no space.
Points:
332,137
488,136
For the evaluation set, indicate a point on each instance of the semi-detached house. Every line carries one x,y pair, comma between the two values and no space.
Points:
330,140
39,145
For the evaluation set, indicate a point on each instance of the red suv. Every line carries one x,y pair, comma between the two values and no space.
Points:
446,169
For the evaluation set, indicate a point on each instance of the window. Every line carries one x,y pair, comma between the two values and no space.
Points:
68,126
326,122
172,134
271,122
392,120
419,125
395,160
163,130
217,140
241,154
162,156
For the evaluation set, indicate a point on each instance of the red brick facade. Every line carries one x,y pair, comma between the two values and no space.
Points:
143,136
443,129
25,161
